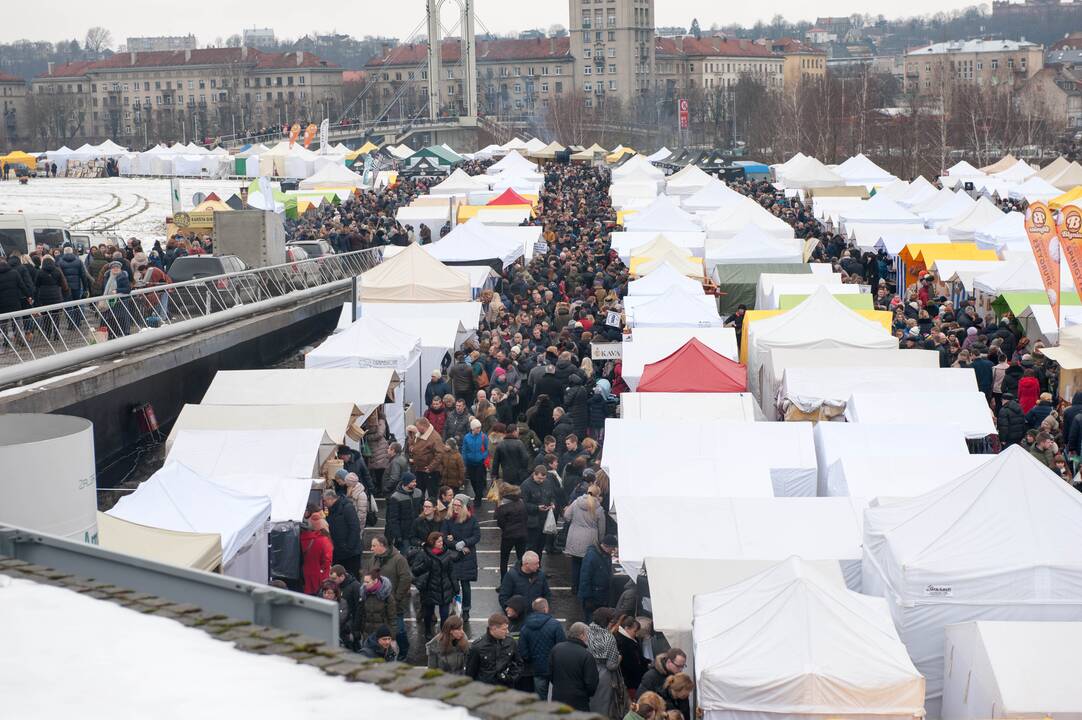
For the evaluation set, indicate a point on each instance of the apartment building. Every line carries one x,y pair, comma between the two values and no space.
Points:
515,77
14,122
193,93
986,63
802,62
714,62
612,42
1055,94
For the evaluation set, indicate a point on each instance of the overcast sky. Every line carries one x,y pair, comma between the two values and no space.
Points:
65,19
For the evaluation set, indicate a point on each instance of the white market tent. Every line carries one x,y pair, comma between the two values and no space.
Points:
809,173
331,177
712,196
883,477
744,528
1040,324
753,245
675,308
332,418
818,322
867,236
433,216
948,211
836,441
964,227
1019,172
675,581
809,389
374,343
968,410
789,643
787,449
460,183
918,191
650,344
413,275
288,495
660,280
631,303
688,181
859,170
794,287
514,163
176,498
660,216
893,243
662,154
1035,189
964,271
879,211
467,313
289,452
960,172
732,407
1002,542
473,241
1012,669
769,282
198,551
728,221
637,165
714,478
778,360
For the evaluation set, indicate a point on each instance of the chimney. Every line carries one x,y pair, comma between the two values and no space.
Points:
187,55
131,57
300,57
51,66
679,43
552,46
244,52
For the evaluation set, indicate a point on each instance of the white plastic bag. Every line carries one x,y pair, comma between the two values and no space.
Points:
550,523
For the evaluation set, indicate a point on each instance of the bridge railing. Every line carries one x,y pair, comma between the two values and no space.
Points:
42,332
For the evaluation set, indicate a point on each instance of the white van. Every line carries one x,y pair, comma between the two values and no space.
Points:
25,232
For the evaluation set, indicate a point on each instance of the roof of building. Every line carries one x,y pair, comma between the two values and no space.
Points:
973,46
689,46
1070,41
6,78
205,56
1064,57
354,76
792,46
508,50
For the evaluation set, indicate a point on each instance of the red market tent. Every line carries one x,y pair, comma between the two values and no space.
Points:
509,197
694,368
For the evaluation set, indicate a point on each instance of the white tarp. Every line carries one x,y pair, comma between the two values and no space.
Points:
765,287
713,196
292,452
1012,670
859,170
743,528
473,240
884,478
733,407
837,440
789,643
650,344
810,388
688,477
1002,542
676,308
787,449
467,313
658,282
753,245
332,418
625,242
177,498
332,176
968,410
413,275
288,495
660,216
730,220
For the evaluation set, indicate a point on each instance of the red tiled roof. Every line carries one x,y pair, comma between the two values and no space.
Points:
709,47
792,45
354,76
179,58
5,78
487,51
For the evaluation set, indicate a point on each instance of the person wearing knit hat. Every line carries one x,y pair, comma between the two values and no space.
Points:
380,645
462,532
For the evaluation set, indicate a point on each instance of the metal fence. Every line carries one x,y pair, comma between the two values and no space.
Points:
46,331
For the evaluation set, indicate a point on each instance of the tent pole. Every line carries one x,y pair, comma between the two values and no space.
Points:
353,305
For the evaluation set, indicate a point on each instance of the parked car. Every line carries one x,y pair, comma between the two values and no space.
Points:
213,296
314,248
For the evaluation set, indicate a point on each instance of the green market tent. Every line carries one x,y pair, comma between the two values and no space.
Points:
1016,302
737,283
861,301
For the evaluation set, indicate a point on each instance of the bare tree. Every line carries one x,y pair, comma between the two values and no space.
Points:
98,40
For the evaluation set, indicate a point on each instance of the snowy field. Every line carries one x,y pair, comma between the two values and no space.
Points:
126,207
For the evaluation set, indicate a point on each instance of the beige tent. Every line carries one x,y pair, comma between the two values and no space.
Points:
414,276
549,151
590,153
334,419
658,247
1071,177
1052,170
198,551
1069,357
684,264
1004,163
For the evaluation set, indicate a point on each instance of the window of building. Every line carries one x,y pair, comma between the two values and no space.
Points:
450,89
612,84
612,52
544,87
597,35
409,75
300,80
612,69
589,102
586,35
518,88
289,80
995,63
544,70
517,71
450,73
191,84
202,85
518,104
559,88
588,87
559,70
612,36
587,53
586,69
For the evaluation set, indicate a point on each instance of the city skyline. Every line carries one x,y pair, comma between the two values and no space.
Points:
70,20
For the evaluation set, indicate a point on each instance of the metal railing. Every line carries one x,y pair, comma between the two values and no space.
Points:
41,332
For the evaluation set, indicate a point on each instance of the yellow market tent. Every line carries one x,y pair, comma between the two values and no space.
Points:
918,257
18,157
690,266
657,247
616,155
198,551
363,150
1071,196
883,317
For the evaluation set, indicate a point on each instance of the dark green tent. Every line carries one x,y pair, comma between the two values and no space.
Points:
737,283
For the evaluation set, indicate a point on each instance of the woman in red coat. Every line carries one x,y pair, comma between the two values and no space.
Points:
317,549
1028,391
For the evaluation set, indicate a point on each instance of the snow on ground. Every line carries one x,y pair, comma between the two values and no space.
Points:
139,204
68,655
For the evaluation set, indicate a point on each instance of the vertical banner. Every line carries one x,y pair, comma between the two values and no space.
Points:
174,194
267,193
294,133
682,112
1041,229
1070,241
310,134
324,136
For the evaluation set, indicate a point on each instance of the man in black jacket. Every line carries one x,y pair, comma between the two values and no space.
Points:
403,507
1010,422
574,671
460,374
351,593
670,663
513,457
345,531
494,659
526,579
